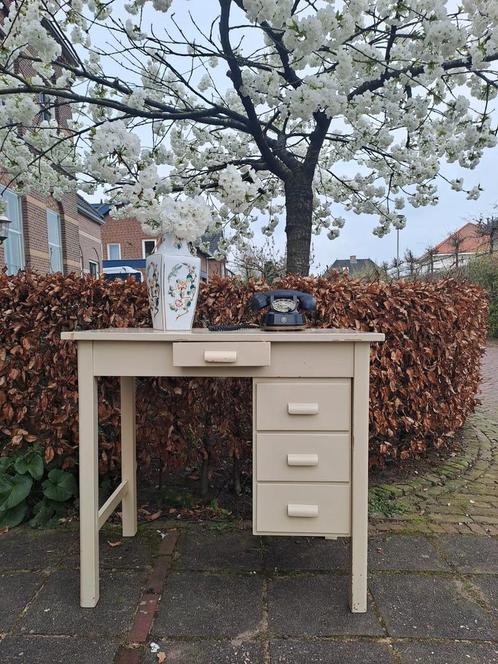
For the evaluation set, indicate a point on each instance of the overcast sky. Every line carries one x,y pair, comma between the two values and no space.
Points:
425,226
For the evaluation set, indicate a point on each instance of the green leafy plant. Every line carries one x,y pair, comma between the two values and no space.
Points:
483,270
384,502
29,489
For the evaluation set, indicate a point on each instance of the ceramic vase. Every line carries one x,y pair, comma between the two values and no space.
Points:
173,274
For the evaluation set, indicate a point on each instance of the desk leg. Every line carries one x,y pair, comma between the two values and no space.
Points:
359,486
89,476
128,455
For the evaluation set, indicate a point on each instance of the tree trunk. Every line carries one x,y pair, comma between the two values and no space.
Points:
299,209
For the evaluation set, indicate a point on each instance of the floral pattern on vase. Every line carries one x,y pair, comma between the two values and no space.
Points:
153,288
173,275
183,291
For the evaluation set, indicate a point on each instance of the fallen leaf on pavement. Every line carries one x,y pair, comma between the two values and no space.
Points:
161,657
153,517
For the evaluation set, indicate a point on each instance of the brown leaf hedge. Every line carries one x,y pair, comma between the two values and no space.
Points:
423,381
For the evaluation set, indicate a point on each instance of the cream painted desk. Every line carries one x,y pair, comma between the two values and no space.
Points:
310,423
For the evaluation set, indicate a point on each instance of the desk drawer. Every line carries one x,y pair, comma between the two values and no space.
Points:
303,457
303,405
302,509
219,353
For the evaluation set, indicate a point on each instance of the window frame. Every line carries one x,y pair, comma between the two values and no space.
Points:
113,244
45,112
97,268
18,232
53,245
148,239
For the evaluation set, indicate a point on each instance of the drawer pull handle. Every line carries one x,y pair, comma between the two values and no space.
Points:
302,408
221,356
306,511
302,459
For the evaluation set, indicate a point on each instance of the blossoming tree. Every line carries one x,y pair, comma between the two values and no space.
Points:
295,108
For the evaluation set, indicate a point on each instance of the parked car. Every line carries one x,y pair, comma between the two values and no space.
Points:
122,272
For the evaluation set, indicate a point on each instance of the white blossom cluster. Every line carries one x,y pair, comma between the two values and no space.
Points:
182,143
115,151
275,13
237,190
186,218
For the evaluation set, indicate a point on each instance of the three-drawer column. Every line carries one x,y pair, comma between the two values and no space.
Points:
302,457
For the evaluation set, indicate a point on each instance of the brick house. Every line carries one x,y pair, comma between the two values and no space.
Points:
51,236
44,234
125,244
454,251
90,237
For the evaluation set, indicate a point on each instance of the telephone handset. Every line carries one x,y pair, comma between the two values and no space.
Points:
285,306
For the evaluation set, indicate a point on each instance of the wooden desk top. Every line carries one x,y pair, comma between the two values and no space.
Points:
203,334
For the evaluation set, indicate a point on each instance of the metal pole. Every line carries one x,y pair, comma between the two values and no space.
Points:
397,251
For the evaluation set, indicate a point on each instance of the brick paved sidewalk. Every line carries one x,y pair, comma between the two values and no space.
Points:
462,495
489,383
218,595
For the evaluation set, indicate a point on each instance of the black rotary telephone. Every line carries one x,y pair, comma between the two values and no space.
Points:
284,313
285,305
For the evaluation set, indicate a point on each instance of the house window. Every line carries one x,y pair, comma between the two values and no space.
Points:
114,251
14,244
45,113
148,247
54,241
93,268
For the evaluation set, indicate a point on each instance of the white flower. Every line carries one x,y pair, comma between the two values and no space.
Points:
276,13
474,193
457,184
235,191
161,5
116,149
205,83
187,219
